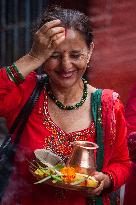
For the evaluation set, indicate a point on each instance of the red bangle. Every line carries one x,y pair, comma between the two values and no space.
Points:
16,74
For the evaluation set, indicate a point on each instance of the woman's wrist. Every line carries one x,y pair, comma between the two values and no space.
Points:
108,182
27,64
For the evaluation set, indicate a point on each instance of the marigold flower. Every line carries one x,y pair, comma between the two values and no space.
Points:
69,174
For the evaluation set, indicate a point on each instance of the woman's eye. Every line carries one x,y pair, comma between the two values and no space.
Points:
75,56
55,56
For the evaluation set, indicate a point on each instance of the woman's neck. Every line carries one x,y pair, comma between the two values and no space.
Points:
68,96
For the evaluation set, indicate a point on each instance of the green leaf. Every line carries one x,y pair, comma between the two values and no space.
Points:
58,166
43,180
57,178
78,181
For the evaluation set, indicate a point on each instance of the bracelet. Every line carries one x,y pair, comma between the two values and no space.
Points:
110,177
15,74
11,75
19,73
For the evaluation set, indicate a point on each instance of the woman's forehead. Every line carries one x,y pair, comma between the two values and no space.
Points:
73,41
72,34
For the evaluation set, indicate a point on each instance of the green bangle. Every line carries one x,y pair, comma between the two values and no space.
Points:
17,70
11,74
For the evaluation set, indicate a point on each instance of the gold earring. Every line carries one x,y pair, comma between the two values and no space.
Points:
89,66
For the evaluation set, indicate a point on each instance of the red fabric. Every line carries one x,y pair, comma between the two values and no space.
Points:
131,111
116,159
21,189
130,188
116,151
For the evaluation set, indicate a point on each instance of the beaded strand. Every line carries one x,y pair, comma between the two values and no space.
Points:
69,107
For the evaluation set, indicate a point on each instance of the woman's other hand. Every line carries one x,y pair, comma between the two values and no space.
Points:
104,182
46,39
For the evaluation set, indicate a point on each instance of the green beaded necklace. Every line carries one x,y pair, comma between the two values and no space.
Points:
69,107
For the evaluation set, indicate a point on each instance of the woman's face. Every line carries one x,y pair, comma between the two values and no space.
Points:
67,64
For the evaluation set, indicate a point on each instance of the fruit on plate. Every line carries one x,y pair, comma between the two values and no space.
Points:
66,175
91,182
85,180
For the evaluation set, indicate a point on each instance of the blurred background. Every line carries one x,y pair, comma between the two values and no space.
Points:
114,59
113,64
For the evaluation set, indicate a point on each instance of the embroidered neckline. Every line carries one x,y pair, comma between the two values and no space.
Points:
58,141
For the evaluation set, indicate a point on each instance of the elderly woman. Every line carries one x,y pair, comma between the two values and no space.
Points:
63,47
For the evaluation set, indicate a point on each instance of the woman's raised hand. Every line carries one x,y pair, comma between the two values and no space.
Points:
46,39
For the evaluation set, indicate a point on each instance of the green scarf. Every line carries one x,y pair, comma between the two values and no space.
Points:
97,117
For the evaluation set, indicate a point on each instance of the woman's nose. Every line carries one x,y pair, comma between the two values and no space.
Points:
66,63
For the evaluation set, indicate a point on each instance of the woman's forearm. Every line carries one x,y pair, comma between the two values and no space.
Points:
27,63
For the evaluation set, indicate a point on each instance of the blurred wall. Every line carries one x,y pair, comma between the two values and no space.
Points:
114,59
16,20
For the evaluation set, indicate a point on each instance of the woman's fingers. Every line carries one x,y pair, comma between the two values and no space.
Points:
54,31
99,189
57,36
102,179
49,33
50,29
56,39
93,192
49,25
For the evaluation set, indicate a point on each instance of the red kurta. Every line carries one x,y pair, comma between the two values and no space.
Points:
41,132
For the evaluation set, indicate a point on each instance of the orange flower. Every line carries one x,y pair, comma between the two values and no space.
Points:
69,174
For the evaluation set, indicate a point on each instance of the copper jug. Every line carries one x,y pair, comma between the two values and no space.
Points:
82,157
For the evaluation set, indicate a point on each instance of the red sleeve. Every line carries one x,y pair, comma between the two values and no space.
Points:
12,96
131,111
119,163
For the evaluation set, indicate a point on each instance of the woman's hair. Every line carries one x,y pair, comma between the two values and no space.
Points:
69,19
